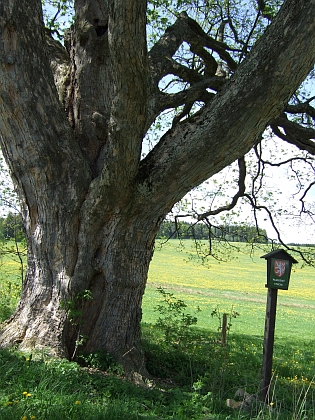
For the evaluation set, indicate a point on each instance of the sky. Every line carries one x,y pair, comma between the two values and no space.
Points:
280,194
293,229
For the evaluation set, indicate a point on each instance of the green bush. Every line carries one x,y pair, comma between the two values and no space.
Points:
173,320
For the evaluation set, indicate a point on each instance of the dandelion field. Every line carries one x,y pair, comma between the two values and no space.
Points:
193,374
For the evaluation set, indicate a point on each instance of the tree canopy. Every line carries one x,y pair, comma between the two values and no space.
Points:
225,32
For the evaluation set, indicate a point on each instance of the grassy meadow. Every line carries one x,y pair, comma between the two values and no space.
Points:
238,283
194,376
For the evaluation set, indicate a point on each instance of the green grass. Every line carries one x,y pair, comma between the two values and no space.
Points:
57,389
10,277
195,379
238,283
194,374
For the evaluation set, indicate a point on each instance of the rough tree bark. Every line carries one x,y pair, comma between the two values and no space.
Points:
91,206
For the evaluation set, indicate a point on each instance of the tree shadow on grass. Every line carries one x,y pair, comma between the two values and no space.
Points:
48,389
222,370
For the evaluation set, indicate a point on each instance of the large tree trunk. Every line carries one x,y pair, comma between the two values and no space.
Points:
91,207
87,228
118,286
88,292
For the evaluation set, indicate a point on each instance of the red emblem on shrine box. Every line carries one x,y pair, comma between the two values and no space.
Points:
279,267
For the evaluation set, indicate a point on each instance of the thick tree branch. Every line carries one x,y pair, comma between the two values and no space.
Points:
108,47
162,63
303,107
197,92
294,133
184,29
185,73
230,125
87,108
60,65
127,43
127,120
32,107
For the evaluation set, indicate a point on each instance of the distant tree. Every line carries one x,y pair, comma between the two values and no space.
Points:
12,227
74,120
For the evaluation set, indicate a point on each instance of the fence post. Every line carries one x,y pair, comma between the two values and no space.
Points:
224,328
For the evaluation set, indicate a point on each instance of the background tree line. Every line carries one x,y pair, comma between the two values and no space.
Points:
11,227
231,233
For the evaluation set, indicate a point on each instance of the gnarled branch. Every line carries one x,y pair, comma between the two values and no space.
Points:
294,133
162,63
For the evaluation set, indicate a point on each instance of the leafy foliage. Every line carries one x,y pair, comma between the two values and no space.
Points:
58,15
11,227
173,320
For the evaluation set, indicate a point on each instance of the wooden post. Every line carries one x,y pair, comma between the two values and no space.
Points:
268,344
224,328
279,264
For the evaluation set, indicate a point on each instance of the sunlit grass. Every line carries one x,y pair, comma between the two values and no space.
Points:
238,283
11,272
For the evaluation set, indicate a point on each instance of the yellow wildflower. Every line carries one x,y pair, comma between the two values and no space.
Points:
78,402
24,418
9,403
25,393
